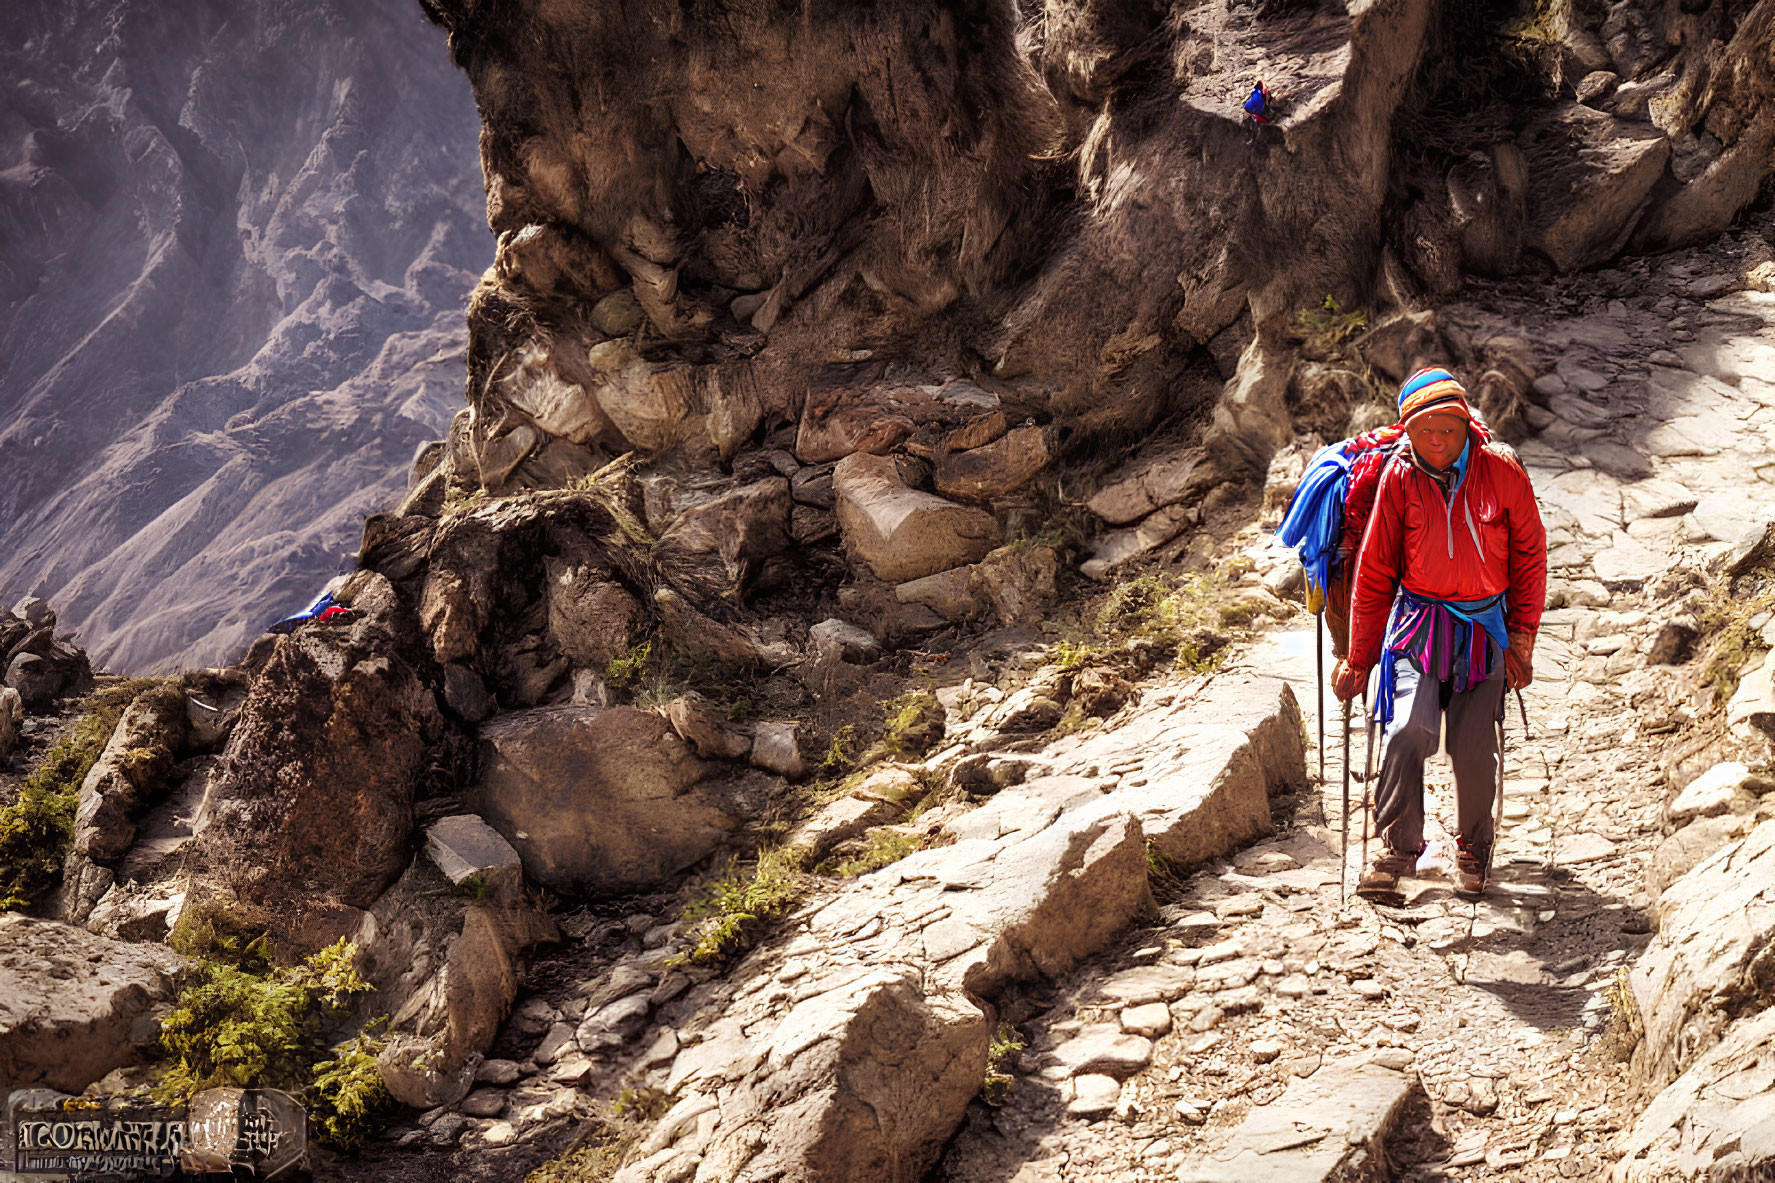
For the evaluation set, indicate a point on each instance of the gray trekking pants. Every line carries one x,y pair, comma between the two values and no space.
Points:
1413,737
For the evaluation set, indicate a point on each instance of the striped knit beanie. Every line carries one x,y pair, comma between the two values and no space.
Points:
1432,389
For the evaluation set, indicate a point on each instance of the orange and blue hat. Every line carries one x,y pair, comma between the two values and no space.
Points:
1430,390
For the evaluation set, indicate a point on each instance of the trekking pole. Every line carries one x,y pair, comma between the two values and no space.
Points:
1343,845
1319,661
1367,777
1522,707
1497,825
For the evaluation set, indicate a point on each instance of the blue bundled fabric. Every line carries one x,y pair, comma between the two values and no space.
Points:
1258,104
1314,522
315,611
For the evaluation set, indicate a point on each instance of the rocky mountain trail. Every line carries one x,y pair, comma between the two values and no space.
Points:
831,706
1504,1026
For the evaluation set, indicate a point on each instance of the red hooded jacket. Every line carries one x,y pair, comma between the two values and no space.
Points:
1484,539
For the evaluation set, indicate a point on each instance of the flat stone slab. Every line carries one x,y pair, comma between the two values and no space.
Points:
1333,1124
462,845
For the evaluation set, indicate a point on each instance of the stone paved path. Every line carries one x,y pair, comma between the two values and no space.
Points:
1653,458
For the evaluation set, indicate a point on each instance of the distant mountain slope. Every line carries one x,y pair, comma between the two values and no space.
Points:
235,244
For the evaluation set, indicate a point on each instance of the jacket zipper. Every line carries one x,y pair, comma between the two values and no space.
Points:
1448,524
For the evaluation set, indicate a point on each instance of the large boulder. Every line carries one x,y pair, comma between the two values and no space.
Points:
76,1005
995,469
444,966
313,802
1590,176
12,716
736,528
46,672
592,618
1713,960
596,800
137,763
1704,988
1149,482
904,533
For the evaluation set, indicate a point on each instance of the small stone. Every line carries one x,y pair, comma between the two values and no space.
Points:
499,1133
1223,951
1266,862
840,640
1396,1058
497,1072
1239,1000
484,1103
775,749
1709,794
1189,1114
1094,1095
1265,1050
1152,1020
1243,905
1368,988
1482,1098
1205,1019
1205,1044
447,1129
558,1039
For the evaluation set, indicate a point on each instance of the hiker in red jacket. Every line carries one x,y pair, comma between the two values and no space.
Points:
1450,580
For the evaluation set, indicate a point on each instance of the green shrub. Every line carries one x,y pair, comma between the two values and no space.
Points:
346,1099
911,724
883,847
1001,1053
641,1103
593,1160
838,752
730,911
623,670
1072,655
232,1028
37,828
209,931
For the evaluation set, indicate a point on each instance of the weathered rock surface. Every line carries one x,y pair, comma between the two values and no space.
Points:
312,802
868,1068
12,714
1590,177
1703,989
904,533
463,846
135,764
76,1005
445,970
1330,1126
596,800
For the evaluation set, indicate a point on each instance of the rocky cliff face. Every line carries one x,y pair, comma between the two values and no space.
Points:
814,357
234,246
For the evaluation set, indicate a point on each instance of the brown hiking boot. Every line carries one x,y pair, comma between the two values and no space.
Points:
1469,872
1380,883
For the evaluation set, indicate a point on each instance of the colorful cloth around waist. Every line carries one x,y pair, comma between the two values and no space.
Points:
1457,641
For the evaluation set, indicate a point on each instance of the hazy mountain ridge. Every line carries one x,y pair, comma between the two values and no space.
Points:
234,249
